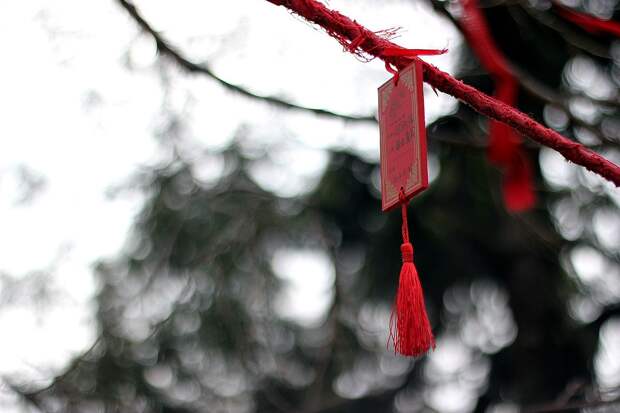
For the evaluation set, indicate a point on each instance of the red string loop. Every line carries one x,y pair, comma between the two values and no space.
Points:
403,204
393,71
409,54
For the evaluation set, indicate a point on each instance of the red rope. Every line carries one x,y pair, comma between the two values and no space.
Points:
346,31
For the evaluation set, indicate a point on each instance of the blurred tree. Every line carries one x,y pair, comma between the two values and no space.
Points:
188,316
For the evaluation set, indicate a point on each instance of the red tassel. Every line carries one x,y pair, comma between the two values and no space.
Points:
410,330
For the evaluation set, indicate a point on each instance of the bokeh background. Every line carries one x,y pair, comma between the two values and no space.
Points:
169,244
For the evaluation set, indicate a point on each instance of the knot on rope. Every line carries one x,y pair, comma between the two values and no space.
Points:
410,54
406,251
355,43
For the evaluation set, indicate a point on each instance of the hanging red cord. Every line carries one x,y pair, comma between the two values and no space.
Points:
505,148
589,23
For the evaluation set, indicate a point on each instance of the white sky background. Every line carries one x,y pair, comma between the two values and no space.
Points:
73,114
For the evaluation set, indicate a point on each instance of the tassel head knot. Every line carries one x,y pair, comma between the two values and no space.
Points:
406,250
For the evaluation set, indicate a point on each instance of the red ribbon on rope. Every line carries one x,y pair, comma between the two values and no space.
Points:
589,23
402,52
505,148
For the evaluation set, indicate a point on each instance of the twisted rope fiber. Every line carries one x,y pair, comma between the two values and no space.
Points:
348,31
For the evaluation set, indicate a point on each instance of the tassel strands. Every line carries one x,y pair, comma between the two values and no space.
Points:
410,330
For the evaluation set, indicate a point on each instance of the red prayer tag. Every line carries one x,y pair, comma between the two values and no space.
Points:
403,136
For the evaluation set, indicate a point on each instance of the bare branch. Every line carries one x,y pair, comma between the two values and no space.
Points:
573,37
165,48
